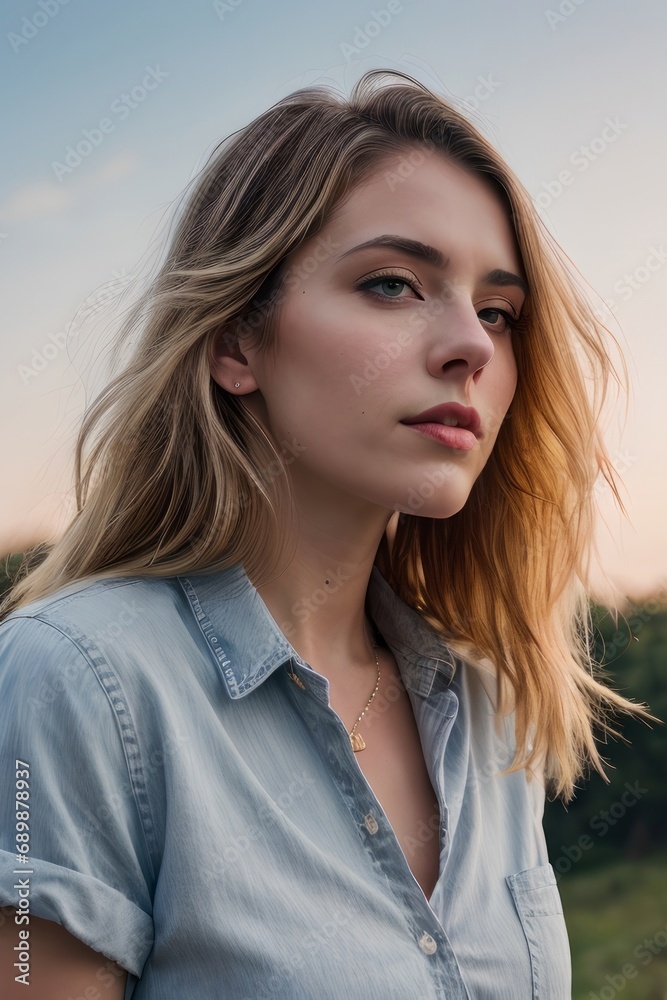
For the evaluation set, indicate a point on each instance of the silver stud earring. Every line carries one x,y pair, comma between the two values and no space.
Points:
236,385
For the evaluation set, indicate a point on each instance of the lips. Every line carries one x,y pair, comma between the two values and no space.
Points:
449,414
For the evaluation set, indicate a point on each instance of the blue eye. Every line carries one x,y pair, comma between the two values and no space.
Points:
510,322
387,280
394,284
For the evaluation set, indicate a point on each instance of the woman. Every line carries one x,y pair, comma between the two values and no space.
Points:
289,692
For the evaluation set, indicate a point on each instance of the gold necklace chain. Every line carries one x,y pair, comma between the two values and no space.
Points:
357,741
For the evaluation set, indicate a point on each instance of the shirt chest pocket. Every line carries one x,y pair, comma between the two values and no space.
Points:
538,904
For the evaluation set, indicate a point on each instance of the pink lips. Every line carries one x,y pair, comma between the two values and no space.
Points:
462,437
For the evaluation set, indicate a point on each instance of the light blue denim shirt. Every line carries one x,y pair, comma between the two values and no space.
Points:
198,816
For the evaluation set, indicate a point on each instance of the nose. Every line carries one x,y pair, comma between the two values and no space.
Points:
460,346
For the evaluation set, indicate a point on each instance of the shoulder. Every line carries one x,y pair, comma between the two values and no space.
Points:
96,618
124,641
84,600
99,664
94,840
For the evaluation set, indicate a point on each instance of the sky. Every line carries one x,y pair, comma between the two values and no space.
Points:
115,107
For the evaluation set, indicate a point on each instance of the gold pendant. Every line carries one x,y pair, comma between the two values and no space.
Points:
297,680
357,742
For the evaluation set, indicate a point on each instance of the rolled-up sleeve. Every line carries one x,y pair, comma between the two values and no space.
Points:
89,866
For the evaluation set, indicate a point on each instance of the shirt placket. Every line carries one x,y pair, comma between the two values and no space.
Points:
311,698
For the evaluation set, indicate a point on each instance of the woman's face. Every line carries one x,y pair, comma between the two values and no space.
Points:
370,337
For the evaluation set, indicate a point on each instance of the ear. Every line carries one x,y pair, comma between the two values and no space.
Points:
229,365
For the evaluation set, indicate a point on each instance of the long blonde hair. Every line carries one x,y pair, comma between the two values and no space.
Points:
182,477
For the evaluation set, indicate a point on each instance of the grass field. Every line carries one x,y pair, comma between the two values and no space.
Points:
617,922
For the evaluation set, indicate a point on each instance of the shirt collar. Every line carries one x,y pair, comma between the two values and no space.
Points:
248,645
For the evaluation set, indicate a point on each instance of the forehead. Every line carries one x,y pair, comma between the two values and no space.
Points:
429,197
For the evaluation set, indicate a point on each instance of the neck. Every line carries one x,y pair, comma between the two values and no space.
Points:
318,599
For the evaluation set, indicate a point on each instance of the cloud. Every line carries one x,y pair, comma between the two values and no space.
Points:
119,166
41,198
35,200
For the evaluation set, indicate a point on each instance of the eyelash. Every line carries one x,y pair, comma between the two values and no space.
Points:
513,323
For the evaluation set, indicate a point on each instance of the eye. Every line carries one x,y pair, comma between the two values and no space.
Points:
501,321
393,283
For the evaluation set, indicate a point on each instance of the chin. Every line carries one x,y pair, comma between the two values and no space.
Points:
440,493
437,504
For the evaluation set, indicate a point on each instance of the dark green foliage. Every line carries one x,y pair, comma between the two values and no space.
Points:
617,924
9,566
628,817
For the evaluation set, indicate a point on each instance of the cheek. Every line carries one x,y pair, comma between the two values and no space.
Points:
506,376
311,391
501,392
332,361
510,384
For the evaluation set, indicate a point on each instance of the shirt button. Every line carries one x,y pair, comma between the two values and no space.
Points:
427,944
370,823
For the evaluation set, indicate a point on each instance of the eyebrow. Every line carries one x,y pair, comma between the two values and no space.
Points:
424,251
